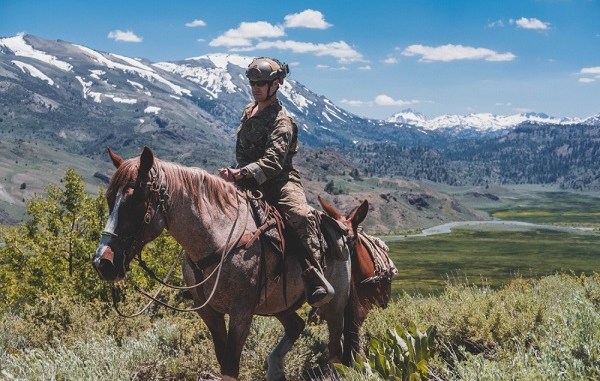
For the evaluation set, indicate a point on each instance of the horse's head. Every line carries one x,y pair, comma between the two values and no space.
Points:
371,293
350,220
136,200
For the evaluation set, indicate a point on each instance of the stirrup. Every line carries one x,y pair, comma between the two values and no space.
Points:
317,289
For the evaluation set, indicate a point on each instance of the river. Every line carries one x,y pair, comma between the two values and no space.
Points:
496,224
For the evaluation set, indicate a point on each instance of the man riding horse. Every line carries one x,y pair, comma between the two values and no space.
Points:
267,141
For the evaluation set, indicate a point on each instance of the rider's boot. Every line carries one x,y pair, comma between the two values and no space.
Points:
317,289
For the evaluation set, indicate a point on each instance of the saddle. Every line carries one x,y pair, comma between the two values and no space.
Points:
271,231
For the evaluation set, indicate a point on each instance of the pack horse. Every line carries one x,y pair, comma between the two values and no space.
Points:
235,273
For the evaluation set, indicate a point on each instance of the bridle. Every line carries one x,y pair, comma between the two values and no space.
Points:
159,196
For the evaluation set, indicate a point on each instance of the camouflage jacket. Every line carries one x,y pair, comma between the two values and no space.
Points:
266,144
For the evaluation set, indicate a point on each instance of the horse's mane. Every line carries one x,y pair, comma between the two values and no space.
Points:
198,183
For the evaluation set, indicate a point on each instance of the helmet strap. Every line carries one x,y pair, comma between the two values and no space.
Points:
269,95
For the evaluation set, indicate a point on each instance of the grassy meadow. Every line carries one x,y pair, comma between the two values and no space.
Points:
560,208
490,257
494,255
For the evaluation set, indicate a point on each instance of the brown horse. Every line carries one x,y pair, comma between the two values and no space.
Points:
209,217
372,273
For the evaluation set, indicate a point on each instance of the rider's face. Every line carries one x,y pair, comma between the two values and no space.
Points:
260,89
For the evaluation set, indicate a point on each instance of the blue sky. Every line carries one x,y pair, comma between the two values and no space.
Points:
373,58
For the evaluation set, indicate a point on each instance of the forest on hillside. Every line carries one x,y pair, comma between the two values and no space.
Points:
566,156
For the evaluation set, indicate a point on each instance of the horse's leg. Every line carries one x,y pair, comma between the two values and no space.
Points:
240,319
355,314
335,327
293,326
333,314
215,322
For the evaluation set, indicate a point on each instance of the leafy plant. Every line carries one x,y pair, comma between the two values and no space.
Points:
402,355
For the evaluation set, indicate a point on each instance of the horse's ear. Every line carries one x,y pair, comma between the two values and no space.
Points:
146,162
116,159
329,209
359,214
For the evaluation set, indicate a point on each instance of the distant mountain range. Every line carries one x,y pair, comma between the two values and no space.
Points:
485,121
77,99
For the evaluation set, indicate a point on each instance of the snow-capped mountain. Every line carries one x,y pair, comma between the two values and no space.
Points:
484,122
78,95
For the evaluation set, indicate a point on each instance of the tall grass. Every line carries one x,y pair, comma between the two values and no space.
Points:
536,329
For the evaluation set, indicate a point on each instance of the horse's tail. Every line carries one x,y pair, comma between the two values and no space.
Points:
353,319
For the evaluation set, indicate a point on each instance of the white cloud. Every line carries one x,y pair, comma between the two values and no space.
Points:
327,67
496,24
386,100
251,36
246,32
523,110
355,103
451,52
590,70
390,60
127,36
531,23
306,19
340,50
366,67
380,100
587,80
195,23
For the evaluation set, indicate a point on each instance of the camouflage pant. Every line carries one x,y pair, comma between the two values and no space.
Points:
290,200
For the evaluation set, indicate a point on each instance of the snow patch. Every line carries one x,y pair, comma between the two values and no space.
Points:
212,80
133,62
96,73
138,69
138,86
121,100
20,47
221,60
33,71
326,116
151,110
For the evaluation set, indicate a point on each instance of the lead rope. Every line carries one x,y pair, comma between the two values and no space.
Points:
153,298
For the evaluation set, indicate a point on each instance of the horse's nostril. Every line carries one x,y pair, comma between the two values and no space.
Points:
106,269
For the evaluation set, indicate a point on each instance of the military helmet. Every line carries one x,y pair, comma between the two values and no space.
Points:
266,69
